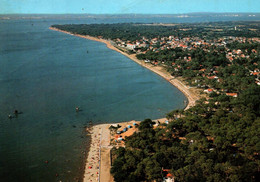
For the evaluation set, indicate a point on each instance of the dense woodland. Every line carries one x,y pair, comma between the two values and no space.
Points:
131,31
216,140
233,77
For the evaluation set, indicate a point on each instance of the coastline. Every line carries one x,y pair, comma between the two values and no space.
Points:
191,96
97,166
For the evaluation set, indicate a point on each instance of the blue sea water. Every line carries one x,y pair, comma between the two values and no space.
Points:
45,74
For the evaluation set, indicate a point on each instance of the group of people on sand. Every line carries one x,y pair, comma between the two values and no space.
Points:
93,160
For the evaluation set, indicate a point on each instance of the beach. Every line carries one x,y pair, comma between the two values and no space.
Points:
98,161
186,90
97,166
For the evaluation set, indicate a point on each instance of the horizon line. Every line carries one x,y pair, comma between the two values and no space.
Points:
129,13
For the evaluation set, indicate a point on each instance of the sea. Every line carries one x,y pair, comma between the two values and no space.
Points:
45,74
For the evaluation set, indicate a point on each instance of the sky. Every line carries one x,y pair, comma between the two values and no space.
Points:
126,6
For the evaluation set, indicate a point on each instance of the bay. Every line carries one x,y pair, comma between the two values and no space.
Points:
45,74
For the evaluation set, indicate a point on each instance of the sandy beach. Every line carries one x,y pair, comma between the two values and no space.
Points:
98,155
98,160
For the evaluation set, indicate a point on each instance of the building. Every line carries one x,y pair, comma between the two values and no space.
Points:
130,46
232,94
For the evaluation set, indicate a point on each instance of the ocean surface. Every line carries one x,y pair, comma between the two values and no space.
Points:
45,74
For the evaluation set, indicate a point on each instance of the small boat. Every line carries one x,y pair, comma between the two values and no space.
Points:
77,109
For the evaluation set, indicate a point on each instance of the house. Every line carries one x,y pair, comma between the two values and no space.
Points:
215,72
230,59
130,46
155,62
184,46
169,177
143,45
154,40
238,51
242,56
219,80
212,77
255,73
232,94
209,90
202,70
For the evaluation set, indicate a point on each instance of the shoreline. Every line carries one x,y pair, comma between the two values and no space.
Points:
192,97
98,166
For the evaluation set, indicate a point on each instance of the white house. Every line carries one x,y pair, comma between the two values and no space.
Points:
130,46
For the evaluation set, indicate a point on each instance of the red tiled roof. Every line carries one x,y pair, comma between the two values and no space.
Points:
231,94
169,175
166,170
211,77
202,69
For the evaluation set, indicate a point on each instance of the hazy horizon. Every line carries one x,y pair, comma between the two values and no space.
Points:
195,13
126,6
